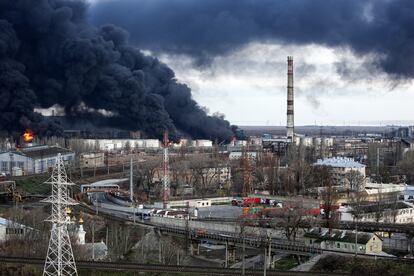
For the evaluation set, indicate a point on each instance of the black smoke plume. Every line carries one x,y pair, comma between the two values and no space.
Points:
210,28
50,55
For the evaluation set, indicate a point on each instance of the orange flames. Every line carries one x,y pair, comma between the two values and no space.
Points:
28,136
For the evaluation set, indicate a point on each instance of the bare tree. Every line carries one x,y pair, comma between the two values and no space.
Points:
147,173
128,147
357,199
328,194
379,210
122,238
354,180
268,170
205,172
291,218
406,167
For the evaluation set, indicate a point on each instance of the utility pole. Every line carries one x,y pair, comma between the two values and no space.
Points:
244,256
270,252
133,204
94,167
226,263
59,259
378,163
247,169
356,237
107,234
93,240
131,180
244,248
107,162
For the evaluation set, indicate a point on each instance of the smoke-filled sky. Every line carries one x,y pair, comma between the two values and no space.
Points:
52,57
354,60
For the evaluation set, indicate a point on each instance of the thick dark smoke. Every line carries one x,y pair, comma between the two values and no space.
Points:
49,54
205,29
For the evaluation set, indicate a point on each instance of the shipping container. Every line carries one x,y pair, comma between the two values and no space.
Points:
245,210
250,201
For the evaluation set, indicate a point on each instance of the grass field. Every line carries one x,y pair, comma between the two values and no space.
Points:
33,184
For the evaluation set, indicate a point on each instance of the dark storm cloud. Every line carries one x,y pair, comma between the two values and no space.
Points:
205,29
49,54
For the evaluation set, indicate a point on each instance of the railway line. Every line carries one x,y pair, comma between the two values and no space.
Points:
298,248
277,245
170,269
351,225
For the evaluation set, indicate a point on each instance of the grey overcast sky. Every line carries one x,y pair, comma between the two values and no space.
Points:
353,59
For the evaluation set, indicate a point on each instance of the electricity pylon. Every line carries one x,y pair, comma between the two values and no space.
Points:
59,259
166,173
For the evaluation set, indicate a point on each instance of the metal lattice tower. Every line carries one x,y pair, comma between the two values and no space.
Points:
59,259
166,175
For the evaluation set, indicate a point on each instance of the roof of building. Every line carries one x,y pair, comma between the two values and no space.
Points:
44,151
7,222
372,208
339,162
109,182
323,234
408,140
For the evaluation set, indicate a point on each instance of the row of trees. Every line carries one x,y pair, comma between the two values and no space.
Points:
205,173
202,172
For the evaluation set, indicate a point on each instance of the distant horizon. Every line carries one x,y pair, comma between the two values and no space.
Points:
390,123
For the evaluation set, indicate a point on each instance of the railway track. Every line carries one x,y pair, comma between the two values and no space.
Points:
278,245
170,269
291,247
362,225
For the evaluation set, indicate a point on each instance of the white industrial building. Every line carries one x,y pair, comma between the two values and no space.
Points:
32,160
121,144
308,141
12,230
386,212
340,166
202,143
92,160
235,155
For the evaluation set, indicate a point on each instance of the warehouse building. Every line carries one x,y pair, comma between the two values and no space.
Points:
32,160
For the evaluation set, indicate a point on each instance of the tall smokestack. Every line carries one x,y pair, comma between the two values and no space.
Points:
290,116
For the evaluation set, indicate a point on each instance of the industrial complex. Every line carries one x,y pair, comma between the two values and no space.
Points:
247,204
